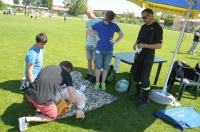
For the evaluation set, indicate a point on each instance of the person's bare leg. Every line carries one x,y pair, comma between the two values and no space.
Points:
104,75
39,118
94,69
90,67
98,73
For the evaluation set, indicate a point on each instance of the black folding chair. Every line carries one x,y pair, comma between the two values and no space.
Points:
186,75
192,83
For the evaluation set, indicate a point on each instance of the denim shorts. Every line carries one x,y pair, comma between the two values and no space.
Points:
103,59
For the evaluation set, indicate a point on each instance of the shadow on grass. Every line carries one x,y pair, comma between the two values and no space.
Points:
11,85
14,111
116,117
193,58
189,92
181,53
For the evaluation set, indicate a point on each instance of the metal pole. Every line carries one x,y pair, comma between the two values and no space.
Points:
164,91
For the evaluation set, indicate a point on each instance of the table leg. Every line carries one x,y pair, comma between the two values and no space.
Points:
158,73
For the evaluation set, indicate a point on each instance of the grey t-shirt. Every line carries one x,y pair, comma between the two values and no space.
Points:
44,88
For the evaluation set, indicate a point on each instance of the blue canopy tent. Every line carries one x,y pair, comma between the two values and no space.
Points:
187,8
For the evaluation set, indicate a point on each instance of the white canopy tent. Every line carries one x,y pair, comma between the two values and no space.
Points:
118,6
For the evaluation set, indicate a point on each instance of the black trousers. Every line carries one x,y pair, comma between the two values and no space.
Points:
142,70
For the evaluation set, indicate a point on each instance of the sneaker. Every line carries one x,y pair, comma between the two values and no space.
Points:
87,76
92,79
103,86
23,124
97,86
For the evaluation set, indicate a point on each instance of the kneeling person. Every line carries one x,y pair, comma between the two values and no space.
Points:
41,93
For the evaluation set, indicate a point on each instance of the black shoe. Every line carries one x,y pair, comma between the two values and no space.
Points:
143,102
138,91
88,76
92,79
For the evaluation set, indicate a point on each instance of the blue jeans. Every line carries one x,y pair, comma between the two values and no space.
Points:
103,59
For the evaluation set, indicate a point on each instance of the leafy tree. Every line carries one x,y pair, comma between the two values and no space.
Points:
16,1
27,2
1,4
47,3
75,7
169,21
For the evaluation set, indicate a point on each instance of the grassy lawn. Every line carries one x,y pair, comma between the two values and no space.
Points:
67,41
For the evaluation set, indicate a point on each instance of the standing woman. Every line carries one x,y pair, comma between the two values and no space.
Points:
104,49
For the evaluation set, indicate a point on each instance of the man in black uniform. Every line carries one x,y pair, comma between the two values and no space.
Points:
149,38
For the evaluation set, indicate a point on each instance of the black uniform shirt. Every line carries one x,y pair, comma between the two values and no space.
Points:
150,34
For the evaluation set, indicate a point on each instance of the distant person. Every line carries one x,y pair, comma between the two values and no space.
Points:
50,15
14,12
104,49
149,39
42,93
91,42
195,42
33,13
34,60
65,16
36,14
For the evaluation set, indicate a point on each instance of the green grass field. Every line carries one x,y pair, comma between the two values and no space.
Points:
67,41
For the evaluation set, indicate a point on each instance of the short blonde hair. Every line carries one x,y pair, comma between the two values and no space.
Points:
89,9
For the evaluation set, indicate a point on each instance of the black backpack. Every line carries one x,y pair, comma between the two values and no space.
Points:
111,74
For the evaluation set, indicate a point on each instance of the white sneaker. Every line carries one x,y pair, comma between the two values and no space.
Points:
23,125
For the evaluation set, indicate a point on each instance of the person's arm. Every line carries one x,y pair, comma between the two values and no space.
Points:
120,36
90,32
149,46
30,60
134,45
138,38
30,73
71,93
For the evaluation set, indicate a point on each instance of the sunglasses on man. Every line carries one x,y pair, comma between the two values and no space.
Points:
145,17
107,20
44,42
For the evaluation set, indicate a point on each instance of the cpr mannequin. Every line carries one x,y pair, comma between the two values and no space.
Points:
71,96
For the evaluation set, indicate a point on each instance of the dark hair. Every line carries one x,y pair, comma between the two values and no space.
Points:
110,15
66,65
41,37
147,10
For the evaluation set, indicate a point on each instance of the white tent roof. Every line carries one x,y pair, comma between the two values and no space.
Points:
118,6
